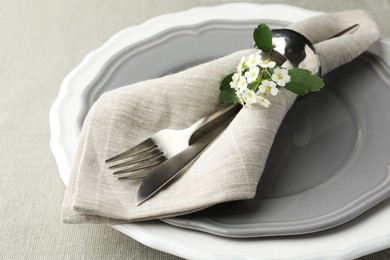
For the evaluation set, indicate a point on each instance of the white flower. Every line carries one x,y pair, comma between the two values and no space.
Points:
264,102
281,77
235,78
267,86
253,60
267,63
242,85
240,65
252,74
249,97
238,94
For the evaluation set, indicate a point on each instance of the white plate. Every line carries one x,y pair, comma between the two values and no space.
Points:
368,233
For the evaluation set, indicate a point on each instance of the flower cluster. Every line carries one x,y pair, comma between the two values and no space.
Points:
257,77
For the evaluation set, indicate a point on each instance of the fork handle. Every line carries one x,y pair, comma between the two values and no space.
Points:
219,113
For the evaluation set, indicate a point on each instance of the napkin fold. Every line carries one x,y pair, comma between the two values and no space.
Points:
229,169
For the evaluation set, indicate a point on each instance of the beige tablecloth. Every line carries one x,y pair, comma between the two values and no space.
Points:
40,42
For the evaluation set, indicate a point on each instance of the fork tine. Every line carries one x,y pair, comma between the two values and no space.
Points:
139,148
142,166
140,157
133,177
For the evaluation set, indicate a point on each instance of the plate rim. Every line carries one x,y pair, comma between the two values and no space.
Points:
143,232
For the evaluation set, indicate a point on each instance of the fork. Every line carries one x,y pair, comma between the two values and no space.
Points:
164,145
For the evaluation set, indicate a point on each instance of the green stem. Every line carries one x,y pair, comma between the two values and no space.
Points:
257,85
269,74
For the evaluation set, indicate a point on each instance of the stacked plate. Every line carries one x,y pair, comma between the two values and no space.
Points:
328,165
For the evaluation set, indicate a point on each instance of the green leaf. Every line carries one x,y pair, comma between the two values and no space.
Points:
227,94
252,85
225,83
262,36
303,81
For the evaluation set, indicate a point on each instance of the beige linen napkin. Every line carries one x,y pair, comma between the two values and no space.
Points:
229,169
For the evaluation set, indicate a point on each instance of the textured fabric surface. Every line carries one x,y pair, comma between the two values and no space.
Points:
229,169
45,39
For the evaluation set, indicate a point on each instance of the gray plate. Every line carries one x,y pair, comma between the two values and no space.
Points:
329,162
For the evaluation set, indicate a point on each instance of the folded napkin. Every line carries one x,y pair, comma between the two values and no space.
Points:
229,169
